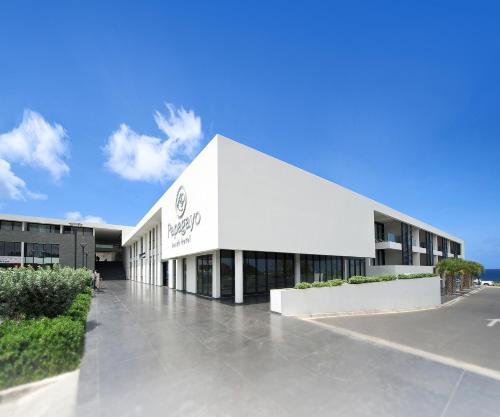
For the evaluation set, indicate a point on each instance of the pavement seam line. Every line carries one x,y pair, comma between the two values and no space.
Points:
444,360
452,394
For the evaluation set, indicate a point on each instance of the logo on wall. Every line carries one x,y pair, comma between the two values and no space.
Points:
181,202
184,226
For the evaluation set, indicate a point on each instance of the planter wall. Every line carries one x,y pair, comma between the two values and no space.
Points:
396,295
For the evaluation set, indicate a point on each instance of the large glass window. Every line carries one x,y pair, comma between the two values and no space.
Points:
10,226
263,271
40,254
226,273
43,228
320,268
355,267
10,249
204,275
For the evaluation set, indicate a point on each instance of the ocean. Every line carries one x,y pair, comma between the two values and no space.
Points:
491,275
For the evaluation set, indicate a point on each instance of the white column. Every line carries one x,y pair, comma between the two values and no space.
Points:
238,276
297,268
22,253
178,275
170,273
216,274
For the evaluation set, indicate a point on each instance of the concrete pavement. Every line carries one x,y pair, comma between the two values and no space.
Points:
151,351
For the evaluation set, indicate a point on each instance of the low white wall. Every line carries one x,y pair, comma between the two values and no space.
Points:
398,269
395,295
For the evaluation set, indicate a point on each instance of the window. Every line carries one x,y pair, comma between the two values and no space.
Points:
355,266
406,244
43,228
320,268
226,273
41,253
10,226
263,271
10,249
204,275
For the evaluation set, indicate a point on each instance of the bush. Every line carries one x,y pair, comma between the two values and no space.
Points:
413,276
38,348
377,278
318,284
30,293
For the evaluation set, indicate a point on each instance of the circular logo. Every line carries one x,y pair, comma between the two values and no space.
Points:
180,202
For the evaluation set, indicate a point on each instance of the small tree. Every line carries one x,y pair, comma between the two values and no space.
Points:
448,268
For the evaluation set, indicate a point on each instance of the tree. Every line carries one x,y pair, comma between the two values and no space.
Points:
449,268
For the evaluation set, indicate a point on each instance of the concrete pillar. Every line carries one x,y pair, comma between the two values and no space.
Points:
216,274
171,266
297,268
178,279
346,269
238,276
22,253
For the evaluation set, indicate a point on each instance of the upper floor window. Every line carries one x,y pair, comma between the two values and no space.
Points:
43,228
8,225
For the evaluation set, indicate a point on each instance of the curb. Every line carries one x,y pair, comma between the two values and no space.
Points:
13,393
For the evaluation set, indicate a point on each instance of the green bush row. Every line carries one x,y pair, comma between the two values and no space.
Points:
41,292
376,278
330,283
413,276
360,280
38,348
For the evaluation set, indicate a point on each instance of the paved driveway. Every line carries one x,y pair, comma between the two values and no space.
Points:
462,331
151,351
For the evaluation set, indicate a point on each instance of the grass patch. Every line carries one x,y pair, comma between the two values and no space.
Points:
317,284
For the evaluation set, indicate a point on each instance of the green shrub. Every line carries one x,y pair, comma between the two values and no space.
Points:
38,348
377,278
28,292
34,349
319,284
79,309
413,276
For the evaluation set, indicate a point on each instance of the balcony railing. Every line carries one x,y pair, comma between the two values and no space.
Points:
388,237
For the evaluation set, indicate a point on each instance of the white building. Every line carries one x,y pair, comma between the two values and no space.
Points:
238,222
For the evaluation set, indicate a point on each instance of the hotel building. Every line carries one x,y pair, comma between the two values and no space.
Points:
237,223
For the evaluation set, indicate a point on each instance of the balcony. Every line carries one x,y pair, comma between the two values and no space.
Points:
418,247
388,241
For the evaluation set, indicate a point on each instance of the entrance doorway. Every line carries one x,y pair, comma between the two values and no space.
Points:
165,273
184,274
204,275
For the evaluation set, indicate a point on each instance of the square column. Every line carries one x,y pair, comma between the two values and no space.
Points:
178,275
238,276
216,274
171,273
297,268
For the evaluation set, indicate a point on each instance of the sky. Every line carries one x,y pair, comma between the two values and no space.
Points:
103,104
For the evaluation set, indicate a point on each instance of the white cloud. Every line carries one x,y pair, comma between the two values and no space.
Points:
76,216
139,157
35,143
14,187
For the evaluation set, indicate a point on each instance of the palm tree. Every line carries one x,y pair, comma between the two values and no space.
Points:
448,268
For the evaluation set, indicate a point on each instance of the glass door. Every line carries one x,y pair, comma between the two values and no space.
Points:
204,275
184,274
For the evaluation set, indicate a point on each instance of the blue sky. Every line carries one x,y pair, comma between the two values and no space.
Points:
397,102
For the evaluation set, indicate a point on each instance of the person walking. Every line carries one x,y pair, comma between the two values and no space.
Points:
94,279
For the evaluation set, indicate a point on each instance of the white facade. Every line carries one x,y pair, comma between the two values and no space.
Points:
232,197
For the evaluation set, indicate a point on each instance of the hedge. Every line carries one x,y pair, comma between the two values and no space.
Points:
376,278
330,283
38,348
413,276
41,292
360,280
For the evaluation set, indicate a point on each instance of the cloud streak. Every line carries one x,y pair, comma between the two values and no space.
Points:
76,216
139,157
35,143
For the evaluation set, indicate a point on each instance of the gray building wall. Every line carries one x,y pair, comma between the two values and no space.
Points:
66,244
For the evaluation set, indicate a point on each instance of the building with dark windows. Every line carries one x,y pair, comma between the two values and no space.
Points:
238,223
39,241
